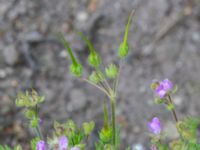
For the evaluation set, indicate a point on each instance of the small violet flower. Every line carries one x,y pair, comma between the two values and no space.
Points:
41,145
163,88
153,147
63,143
155,126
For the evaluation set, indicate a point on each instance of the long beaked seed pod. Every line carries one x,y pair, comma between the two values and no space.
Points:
94,58
75,67
124,46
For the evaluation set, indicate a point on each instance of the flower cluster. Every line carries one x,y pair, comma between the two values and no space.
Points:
62,143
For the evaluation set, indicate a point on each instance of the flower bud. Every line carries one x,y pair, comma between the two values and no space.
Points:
41,145
94,59
76,69
111,71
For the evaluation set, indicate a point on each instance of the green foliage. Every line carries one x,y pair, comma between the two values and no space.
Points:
112,71
29,99
75,135
34,143
6,147
188,129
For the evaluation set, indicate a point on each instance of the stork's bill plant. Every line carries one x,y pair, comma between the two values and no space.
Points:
69,136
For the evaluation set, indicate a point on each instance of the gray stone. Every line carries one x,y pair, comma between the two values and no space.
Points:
11,55
78,100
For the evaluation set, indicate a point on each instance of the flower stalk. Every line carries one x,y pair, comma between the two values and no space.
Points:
173,110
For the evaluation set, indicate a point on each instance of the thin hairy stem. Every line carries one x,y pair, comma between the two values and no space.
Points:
116,83
113,122
106,85
100,88
173,110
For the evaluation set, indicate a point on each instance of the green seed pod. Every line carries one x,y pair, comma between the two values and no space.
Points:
124,47
96,77
123,50
94,59
76,69
111,71
106,135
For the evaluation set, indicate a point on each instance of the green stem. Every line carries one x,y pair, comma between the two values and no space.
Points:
173,110
113,122
39,132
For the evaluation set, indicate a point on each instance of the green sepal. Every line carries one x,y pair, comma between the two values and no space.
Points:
88,127
170,107
105,135
158,100
76,69
94,59
111,71
154,85
96,77
30,114
123,50
34,122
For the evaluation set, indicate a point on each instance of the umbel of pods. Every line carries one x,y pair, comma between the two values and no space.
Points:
100,78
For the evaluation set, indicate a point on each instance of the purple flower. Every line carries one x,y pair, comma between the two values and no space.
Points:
153,147
155,126
75,148
41,145
163,88
63,143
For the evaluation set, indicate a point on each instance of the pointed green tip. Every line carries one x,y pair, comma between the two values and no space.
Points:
67,47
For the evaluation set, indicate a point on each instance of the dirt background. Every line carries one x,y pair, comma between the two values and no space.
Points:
164,43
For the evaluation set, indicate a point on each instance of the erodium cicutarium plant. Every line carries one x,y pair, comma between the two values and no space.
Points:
69,136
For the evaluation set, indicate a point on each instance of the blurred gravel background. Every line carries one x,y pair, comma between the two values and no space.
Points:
164,43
